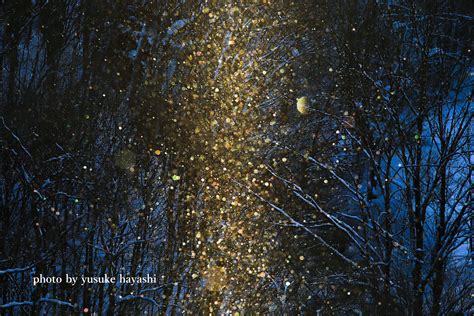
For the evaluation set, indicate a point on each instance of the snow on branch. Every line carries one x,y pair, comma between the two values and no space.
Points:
16,270
41,300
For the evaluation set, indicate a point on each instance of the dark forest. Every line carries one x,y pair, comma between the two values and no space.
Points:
259,157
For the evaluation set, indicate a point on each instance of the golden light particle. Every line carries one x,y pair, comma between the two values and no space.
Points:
302,105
